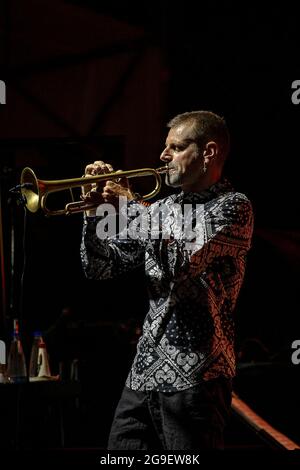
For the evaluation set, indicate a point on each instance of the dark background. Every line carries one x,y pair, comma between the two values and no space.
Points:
88,81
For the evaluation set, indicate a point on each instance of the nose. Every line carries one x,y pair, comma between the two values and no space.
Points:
165,156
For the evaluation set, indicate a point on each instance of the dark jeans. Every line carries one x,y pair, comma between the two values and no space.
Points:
189,419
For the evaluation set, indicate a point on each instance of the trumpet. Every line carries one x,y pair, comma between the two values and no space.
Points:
36,191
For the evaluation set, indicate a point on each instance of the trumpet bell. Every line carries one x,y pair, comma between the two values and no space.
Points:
30,189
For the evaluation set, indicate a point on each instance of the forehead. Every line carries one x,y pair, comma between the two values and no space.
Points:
180,133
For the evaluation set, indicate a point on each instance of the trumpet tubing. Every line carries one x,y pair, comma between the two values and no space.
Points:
36,191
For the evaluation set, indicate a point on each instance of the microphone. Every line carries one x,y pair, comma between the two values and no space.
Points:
17,188
16,194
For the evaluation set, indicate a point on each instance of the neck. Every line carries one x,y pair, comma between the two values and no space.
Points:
207,180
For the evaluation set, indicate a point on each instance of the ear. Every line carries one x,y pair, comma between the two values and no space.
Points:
210,152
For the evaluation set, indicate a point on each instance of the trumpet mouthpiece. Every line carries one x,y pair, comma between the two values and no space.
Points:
162,169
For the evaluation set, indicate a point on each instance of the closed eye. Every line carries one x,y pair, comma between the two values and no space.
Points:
177,147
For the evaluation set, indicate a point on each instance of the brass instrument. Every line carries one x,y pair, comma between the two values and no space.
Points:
36,191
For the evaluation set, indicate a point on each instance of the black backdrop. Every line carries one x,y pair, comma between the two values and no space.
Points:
239,61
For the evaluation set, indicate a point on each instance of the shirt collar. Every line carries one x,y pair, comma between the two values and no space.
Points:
220,187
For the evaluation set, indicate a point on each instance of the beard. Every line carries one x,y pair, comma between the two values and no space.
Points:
174,178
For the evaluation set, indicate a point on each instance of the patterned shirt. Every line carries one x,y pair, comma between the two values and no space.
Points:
188,332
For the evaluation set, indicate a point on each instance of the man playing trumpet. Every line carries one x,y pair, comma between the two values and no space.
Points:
177,395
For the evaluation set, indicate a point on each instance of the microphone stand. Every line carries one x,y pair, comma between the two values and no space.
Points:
5,178
3,273
16,199
9,199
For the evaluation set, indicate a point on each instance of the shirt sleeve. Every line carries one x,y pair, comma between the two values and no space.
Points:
224,231
106,258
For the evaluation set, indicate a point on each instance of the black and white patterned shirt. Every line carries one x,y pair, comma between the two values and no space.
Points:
188,332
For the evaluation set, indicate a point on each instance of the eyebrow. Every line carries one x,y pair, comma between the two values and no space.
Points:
184,141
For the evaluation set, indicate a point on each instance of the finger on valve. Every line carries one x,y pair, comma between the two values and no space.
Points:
99,167
93,169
